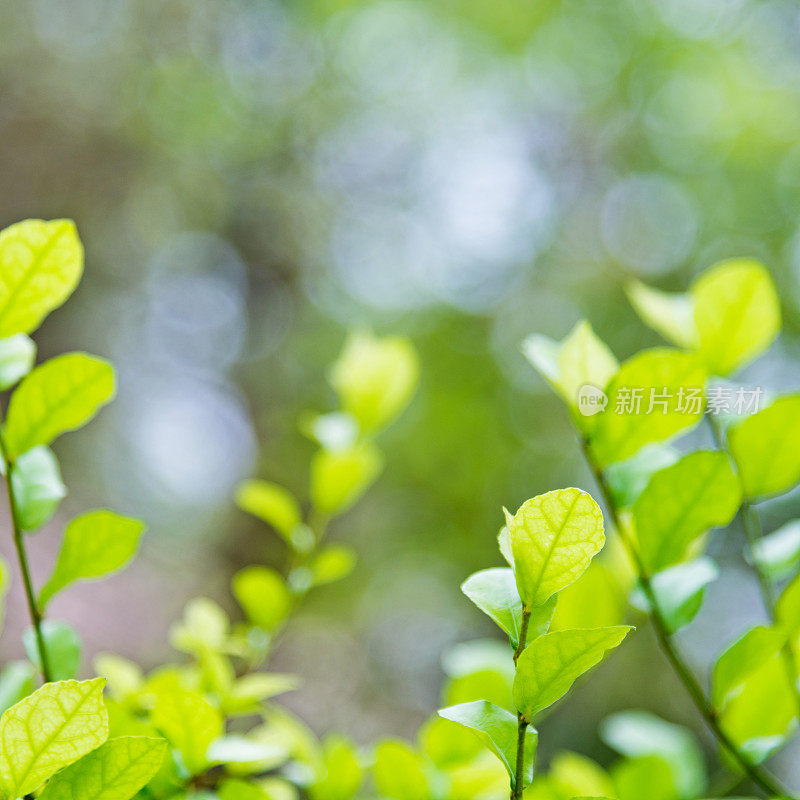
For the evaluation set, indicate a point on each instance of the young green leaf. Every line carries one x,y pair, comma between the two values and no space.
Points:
646,777
115,771
375,378
37,486
679,591
628,479
550,664
497,729
17,356
332,564
41,263
95,544
338,479
62,645
655,395
766,448
737,312
747,654
189,722
263,595
581,358
17,680
340,774
553,539
398,772
60,395
682,502
124,677
778,554
638,734
571,775
667,313
494,591
597,600
270,503
49,730
204,627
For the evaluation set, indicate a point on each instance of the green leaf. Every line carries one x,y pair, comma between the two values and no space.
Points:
597,600
571,775
40,265
735,666
340,773
204,627
60,395
681,502
550,664
787,609
332,564
553,539
95,544
766,448
679,591
398,772
263,595
115,771
778,554
49,730
253,755
17,357
636,734
62,645
628,479
339,479
375,378
647,777
189,722
270,503
124,677
497,729
17,680
494,591
667,313
38,488
737,312
581,358
655,395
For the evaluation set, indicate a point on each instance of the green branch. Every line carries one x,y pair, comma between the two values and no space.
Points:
522,723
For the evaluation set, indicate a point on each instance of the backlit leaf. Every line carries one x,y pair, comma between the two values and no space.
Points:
497,729
49,730
38,488
398,772
41,263
60,395
263,595
62,646
778,554
115,771
553,539
681,502
670,314
17,357
95,544
271,503
338,479
550,664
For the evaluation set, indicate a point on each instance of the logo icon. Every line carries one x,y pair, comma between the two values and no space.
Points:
591,400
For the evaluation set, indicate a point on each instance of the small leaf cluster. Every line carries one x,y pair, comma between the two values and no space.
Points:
666,501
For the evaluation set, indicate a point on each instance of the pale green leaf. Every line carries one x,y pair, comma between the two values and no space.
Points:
571,775
38,488
679,592
340,774
682,502
550,664
398,772
597,600
60,395
49,730
17,680
766,448
256,756
271,503
670,314
554,537
115,771
17,357
375,378
636,734
647,777
338,479
737,313
189,722
497,729
628,479
204,627
787,609
263,595
656,395
778,554
748,653
124,677
332,564
62,646
95,544
41,263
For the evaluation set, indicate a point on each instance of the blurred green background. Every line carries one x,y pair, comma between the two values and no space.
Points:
252,178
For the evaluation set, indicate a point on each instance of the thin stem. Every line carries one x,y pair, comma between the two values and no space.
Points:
522,723
751,524
22,558
759,777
